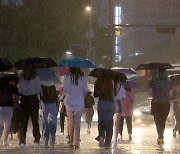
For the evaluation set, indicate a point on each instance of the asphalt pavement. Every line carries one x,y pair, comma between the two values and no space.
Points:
143,142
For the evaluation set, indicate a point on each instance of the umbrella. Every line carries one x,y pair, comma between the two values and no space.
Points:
76,62
154,65
38,62
5,65
126,71
131,85
4,76
129,72
100,72
60,71
47,77
175,78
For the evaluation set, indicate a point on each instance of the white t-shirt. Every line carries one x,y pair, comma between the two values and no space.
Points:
29,87
75,94
121,93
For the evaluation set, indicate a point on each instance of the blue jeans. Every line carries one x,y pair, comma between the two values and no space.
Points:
50,121
105,120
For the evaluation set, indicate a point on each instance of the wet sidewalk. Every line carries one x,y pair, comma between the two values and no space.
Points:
143,142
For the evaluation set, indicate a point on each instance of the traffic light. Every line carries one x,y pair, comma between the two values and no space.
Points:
118,31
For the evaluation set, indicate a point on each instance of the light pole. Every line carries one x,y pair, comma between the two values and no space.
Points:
111,5
89,33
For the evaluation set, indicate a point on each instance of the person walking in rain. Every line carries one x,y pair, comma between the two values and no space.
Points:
175,99
120,94
29,88
7,98
49,107
160,89
89,111
103,89
75,88
127,112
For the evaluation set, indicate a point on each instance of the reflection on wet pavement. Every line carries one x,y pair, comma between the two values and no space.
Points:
143,142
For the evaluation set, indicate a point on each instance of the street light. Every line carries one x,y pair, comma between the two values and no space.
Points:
88,8
89,33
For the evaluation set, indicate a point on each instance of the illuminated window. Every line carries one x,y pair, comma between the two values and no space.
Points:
117,21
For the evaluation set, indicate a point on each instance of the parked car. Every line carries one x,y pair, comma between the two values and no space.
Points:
142,113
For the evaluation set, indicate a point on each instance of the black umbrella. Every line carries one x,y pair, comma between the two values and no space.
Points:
100,72
154,65
8,76
38,62
5,65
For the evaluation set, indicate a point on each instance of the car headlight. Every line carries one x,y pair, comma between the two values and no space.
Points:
137,113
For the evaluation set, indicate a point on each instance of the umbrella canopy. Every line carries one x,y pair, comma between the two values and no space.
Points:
129,72
126,71
131,85
47,77
175,78
100,72
61,70
154,65
38,62
76,62
5,64
10,76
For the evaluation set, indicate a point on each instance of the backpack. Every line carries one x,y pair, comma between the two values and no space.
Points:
5,94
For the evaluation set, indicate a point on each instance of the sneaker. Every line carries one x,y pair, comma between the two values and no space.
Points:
107,145
68,137
5,144
88,131
36,145
76,147
62,133
97,138
22,146
52,145
71,146
120,137
160,141
101,142
130,137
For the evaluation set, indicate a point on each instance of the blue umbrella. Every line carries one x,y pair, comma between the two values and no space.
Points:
47,77
76,62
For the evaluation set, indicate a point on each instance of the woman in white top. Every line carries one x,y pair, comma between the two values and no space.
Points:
119,94
29,87
75,87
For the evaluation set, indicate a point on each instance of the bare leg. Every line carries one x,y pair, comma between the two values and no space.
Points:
116,127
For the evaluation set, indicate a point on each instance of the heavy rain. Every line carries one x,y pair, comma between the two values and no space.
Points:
90,76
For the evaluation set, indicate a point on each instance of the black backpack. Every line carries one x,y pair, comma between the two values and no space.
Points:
5,94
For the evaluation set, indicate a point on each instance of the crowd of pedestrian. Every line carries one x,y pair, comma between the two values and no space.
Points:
22,100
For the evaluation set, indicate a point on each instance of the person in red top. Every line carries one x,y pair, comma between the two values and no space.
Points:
127,112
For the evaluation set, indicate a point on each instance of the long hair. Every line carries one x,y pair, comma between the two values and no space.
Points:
116,90
106,85
29,72
162,78
76,73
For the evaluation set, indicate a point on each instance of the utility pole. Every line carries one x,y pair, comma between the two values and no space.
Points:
111,6
90,32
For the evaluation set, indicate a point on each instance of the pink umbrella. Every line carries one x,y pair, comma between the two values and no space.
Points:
60,71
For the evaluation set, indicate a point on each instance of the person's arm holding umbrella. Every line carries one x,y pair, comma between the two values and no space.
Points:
96,88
